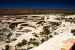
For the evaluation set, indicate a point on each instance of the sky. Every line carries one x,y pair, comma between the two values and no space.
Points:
37,4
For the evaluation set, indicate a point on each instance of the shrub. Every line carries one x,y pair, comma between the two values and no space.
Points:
35,43
46,30
35,35
14,39
43,40
50,36
7,41
29,48
32,39
73,31
9,34
7,47
24,42
55,23
19,44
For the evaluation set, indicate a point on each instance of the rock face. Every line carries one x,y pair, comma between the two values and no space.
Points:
32,29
